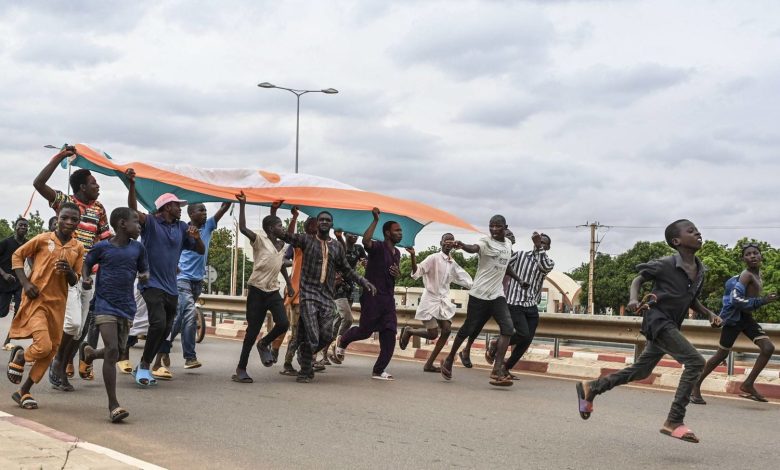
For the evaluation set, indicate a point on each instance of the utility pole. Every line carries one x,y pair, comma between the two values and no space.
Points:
594,243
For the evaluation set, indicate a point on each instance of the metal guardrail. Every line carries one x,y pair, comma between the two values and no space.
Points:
559,326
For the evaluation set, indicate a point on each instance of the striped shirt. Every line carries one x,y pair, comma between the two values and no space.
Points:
532,267
93,226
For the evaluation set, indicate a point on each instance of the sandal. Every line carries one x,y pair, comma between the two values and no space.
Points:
69,370
242,378
500,380
162,373
125,366
446,369
15,370
143,378
85,368
585,406
465,360
755,396
681,432
697,400
25,401
118,414
403,341
383,376
434,369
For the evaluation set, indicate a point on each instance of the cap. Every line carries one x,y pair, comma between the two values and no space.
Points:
166,198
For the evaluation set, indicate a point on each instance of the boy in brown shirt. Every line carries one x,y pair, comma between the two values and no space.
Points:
58,260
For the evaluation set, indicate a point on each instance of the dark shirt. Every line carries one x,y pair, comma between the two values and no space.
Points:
675,291
380,258
119,266
7,248
354,254
311,288
164,243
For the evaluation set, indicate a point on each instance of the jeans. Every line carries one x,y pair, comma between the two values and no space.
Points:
668,341
258,302
525,321
185,321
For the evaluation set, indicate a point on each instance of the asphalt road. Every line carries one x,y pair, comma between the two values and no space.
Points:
346,420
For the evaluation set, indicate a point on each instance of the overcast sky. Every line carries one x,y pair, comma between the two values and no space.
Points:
553,113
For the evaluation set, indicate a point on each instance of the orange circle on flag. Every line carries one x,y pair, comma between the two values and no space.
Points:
270,177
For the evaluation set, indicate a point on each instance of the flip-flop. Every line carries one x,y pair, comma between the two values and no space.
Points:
585,407
401,343
490,354
465,360
118,414
162,373
502,381
755,396
697,400
434,369
266,357
681,432
15,371
69,371
25,401
125,366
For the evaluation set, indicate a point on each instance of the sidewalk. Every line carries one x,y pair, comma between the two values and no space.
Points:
25,444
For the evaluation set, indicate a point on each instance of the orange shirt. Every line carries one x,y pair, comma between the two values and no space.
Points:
295,280
47,311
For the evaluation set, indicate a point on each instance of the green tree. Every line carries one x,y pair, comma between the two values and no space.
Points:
37,224
220,257
5,229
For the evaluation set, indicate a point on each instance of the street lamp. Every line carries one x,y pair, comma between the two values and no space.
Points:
298,93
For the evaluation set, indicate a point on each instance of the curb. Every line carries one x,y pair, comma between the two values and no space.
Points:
76,442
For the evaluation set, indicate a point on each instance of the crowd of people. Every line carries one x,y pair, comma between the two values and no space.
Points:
90,278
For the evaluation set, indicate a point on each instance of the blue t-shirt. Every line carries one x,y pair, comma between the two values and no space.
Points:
114,286
164,243
192,266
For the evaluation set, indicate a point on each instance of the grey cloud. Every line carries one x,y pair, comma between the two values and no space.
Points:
680,150
500,113
103,17
473,42
64,51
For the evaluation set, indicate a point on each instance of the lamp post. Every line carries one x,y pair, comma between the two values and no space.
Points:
298,93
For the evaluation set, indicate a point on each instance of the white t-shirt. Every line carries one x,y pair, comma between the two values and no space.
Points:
267,264
493,259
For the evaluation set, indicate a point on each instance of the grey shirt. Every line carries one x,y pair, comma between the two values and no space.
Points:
675,291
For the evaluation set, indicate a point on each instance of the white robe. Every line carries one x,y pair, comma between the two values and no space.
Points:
438,271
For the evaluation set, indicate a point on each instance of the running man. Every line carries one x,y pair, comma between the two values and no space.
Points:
487,298
263,296
435,310
58,261
92,228
345,289
377,312
10,288
165,237
192,270
523,299
677,282
741,299
322,258
121,260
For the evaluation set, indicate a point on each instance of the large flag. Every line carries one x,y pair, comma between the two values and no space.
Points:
350,206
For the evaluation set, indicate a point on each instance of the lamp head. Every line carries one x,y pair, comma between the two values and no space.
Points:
330,91
266,85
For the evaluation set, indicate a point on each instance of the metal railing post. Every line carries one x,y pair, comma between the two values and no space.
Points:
556,348
730,364
638,349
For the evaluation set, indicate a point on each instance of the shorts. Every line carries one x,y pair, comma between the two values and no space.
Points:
122,326
77,308
6,298
747,325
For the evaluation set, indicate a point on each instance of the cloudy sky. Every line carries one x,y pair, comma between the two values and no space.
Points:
554,113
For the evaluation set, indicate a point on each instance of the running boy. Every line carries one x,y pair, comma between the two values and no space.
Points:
121,259
435,310
742,297
677,282
487,298
58,260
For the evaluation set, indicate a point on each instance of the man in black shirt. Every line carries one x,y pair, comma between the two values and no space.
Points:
10,289
677,282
